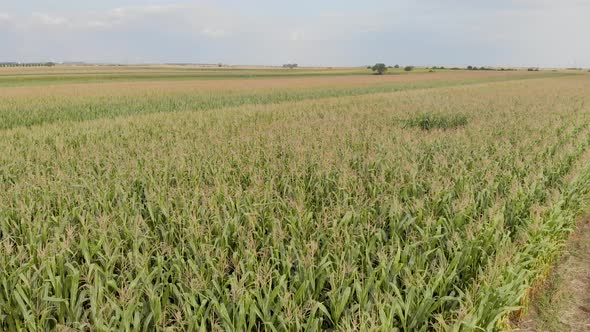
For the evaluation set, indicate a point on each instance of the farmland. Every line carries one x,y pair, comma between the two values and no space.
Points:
262,199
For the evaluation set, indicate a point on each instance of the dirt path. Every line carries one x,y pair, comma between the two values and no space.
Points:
565,305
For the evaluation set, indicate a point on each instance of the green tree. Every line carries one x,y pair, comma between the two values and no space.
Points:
379,68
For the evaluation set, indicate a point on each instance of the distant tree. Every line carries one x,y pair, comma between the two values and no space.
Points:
396,66
482,68
469,67
441,67
369,67
409,68
379,68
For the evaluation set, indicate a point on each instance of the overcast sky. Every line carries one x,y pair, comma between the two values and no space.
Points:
548,33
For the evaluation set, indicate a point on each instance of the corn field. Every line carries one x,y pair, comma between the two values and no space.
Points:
289,209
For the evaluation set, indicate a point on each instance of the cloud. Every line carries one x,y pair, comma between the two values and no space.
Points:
451,32
296,35
213,21
98,24
121,16
213,33
47,19
551,4
199,19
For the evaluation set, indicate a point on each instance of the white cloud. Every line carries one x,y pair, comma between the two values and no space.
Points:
506,32
131,13
552,4
296,35
98,24
47,19
199,19
213,33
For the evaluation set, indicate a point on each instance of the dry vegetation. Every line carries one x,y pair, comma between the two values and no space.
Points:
289,208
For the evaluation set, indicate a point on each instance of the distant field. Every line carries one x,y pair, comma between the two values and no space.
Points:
271,199
27,76
60,101
97,74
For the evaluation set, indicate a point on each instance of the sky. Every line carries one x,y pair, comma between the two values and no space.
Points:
523,33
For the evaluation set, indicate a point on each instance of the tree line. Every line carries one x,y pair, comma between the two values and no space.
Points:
31,64
381,68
